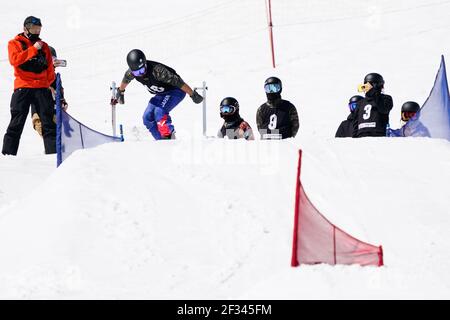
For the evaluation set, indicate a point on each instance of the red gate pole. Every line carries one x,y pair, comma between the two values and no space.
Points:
271,31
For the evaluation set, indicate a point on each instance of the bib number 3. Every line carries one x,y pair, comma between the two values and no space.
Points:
367,111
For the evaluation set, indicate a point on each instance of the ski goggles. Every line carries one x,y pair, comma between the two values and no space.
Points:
227,109
139,73
406,116
352,106
272,88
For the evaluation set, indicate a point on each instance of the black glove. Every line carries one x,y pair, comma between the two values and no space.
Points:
196,97
120,96
374,93
64,104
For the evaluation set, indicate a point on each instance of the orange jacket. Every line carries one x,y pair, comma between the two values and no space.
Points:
18,56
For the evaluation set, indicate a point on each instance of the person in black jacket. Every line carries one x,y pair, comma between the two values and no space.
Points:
277,118
167,86
346,128
234,126
372,113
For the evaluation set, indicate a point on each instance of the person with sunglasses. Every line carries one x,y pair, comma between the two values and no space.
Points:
346,128
234,127
411,125
34,73
277,118
167,86
372,113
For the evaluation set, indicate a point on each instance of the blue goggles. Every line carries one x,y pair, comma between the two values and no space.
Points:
226,109
272,87
353,106
139,73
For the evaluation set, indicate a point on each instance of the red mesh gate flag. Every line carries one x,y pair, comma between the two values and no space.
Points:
317,240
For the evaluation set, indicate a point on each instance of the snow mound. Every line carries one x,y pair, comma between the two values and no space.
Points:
214,219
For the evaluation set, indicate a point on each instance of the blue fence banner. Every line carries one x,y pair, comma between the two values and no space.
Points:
433,119
72,135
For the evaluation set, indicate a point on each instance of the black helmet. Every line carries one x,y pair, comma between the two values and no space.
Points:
32,21
352,103
410,106
53,52
355,99
273,85
228,107
375,79
136,59
409,110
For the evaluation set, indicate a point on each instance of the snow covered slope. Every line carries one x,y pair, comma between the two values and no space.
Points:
216,219
198,218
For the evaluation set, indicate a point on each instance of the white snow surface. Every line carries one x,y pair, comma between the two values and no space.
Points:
203,218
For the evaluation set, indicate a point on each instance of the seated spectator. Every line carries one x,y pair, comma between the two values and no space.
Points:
346,129
277,118
234,126
411,125
372,113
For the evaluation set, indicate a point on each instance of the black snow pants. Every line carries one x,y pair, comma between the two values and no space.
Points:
21,100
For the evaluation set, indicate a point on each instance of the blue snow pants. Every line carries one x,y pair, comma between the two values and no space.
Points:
156,117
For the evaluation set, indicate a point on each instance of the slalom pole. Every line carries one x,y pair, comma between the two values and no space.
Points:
203,88
270,23
121,133
204,108
113,107
58,121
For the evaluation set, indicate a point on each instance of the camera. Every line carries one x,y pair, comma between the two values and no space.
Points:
59,63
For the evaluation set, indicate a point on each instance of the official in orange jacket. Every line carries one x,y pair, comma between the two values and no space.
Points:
34,73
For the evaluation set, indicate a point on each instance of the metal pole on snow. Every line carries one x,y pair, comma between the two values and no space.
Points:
203,88
113,107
